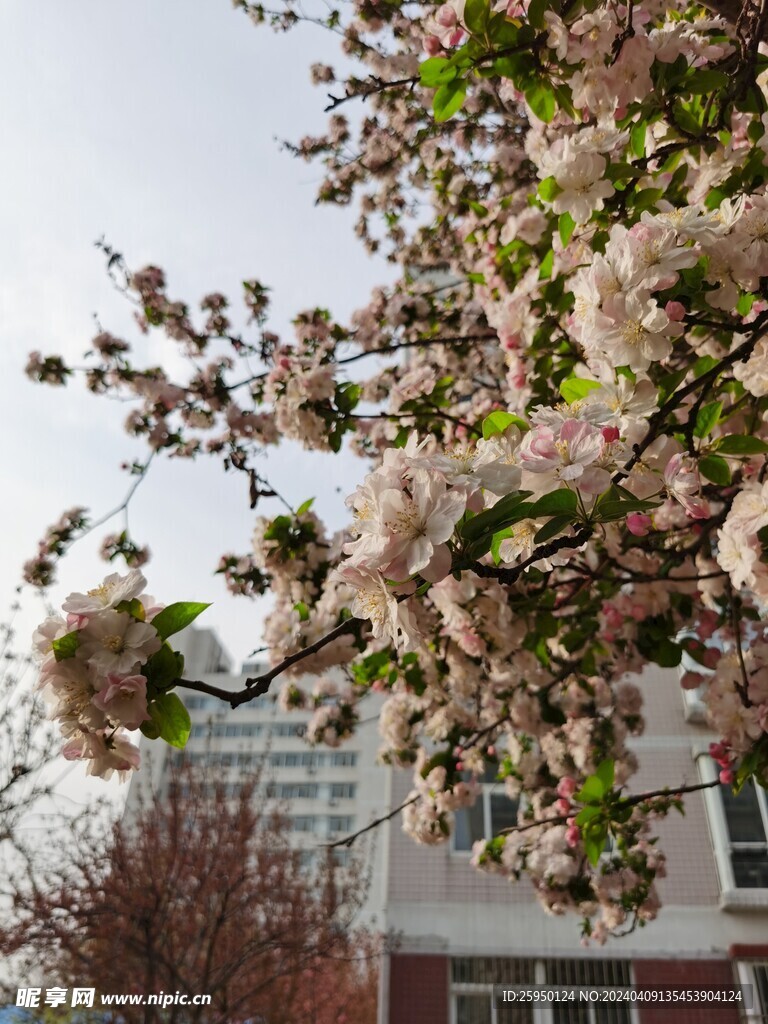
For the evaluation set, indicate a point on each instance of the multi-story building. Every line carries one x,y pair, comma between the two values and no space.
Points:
326,794
462,931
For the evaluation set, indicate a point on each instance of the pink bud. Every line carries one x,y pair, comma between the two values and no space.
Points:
712,657
459,766
717,750
458,751
566,787
638,524
572,836
691,680
611,434
675,310
491,751
432,46
563,806
456,37
727,776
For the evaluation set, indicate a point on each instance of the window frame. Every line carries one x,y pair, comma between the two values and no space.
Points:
488,789
745,975
732,896
541,1013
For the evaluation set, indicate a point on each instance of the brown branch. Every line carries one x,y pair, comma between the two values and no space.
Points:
742,353
630,801
349,840
258,685
511,575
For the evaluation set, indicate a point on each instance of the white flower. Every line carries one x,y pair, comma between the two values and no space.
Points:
374,601
114,642
583,186
108,594
640,334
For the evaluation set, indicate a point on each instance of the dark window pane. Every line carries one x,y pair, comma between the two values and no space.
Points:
473,1009
570,1013
761,983
469,825
503,812
515,1014
742,813
750,868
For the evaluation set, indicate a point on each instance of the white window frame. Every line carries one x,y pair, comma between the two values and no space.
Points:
542,1014
488,789
745,970
732,897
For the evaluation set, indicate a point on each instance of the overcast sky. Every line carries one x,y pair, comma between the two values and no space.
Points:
152,124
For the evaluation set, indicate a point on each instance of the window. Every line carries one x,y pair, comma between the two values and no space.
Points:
343,759
473,978
303,823
739,829
288,729
341,823
342,790
755,973
292,790
491,812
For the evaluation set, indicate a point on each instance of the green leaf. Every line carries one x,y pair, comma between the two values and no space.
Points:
164,668
707,419
305,506
586,814
171,719
592,791
565,226
541,99
594,844
605,772
347,396
741,444
303,611
551,529
745,303
545,270
716,469
134,607
549,189
176,617
150,730
497,422
506,511
437,71
611,511
558,503
536,11
703,82
496,543
575,388
476,14
637,138
669,382
449,99
65,646
666,653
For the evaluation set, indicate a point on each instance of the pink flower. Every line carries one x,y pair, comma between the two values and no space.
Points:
124,700
727,776
639,524
681,479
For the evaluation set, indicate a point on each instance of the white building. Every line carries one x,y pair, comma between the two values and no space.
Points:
326,794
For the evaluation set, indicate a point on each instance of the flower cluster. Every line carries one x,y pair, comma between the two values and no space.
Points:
105,671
